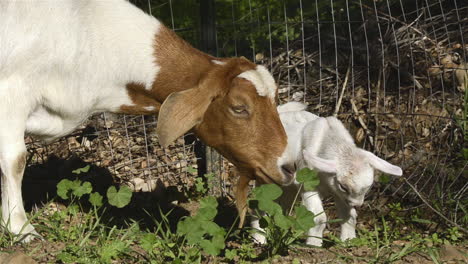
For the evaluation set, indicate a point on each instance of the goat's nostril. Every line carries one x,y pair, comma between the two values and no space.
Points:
288,169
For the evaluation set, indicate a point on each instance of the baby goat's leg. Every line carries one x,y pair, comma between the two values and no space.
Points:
348,215
258,236
313,203
286,201
13,161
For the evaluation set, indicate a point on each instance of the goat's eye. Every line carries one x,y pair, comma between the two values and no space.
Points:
343,188
239,110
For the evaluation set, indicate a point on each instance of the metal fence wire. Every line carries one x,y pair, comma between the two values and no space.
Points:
394,71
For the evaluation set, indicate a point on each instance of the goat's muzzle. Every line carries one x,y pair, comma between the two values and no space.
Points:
281,176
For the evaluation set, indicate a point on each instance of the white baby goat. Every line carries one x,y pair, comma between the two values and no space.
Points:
346,172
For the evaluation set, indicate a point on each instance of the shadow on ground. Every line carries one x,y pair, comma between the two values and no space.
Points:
40,186
147,208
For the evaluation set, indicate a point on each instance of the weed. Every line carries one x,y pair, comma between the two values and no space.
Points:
75,190
163,244
119,198
283,230
202,184
78,228
195,234
395,213
201,231
243,254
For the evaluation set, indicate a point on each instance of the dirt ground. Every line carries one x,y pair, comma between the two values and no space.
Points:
44,252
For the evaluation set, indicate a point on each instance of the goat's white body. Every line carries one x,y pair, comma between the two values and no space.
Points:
294,117
327,139
97,48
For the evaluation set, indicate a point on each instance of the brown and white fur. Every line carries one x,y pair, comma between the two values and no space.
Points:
62,61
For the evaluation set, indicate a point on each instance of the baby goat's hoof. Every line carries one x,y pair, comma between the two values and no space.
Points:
314,241
347,235
259,238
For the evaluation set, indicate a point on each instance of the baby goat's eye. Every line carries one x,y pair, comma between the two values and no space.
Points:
343,188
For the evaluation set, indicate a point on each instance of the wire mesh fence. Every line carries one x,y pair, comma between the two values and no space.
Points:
394,71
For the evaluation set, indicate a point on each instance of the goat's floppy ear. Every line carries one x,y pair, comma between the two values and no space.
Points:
241,197
318,163
382,165
179,113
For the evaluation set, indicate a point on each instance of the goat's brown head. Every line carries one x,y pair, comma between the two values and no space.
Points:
233,109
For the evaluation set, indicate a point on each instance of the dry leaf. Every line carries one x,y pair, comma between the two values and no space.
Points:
360,134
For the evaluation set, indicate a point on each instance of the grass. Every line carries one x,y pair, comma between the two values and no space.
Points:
88,230
75,236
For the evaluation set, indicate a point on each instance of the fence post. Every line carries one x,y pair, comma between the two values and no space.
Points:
208,45
208,26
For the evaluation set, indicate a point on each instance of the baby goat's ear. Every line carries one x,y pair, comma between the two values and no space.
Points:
382,165
318,163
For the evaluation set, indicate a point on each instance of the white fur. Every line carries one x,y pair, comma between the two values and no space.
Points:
149,108
218,62
325,145
262,80
60,62
294,118
99,46
293,107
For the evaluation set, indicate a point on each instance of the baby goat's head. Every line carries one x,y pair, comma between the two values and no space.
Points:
353,172
233,109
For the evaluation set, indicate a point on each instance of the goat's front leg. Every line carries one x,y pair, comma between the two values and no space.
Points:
348,215
12,163
313,203
14,111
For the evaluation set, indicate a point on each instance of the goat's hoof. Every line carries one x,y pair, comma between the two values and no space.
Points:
259,239
28,237
313,241
24,233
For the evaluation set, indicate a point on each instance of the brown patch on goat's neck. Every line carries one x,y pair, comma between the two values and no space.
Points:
143,100
20,164
181,65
